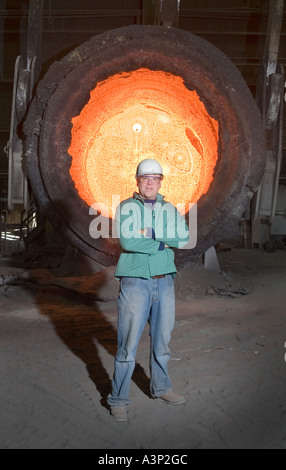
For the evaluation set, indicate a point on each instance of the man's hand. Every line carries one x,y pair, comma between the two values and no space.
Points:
149,232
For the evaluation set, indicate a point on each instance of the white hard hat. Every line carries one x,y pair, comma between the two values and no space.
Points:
149,167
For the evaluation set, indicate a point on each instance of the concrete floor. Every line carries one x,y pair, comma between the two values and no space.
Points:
228,359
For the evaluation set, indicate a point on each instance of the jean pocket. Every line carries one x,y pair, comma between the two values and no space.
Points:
170,279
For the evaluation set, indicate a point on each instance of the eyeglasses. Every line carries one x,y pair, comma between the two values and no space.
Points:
153,179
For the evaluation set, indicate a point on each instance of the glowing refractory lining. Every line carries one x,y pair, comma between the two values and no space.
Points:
137,127
137,115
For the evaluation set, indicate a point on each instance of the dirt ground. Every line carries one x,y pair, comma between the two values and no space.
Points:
57,347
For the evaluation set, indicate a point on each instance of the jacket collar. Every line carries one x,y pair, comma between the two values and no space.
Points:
136,196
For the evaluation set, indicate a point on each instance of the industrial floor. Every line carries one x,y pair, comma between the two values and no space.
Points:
57,350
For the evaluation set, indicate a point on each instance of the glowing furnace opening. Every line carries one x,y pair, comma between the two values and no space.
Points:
136,115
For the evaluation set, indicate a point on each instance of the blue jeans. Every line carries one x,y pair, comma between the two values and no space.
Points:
139,301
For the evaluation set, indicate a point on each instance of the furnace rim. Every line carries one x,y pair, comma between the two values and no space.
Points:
203,67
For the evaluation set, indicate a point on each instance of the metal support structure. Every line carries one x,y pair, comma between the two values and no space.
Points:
270,98
27,71
168,13
161,12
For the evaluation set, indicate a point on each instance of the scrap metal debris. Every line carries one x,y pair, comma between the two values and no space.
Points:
228,291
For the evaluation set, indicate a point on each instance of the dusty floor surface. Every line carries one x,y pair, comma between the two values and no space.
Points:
57,351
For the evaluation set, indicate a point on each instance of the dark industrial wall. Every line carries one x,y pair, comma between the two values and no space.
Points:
237,27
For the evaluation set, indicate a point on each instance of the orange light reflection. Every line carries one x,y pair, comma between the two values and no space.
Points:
137,115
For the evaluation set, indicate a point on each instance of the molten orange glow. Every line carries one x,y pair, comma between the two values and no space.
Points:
137,115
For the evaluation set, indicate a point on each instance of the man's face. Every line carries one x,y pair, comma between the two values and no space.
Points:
149,186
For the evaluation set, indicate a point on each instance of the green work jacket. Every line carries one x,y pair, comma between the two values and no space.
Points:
147,256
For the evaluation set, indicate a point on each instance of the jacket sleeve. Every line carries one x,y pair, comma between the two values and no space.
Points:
171,227
128,226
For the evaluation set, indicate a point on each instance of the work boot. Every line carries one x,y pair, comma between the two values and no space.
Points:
173,398
119,414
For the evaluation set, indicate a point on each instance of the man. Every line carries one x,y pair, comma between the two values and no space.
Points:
148,227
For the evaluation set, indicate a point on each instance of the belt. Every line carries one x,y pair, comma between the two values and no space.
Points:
158,277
